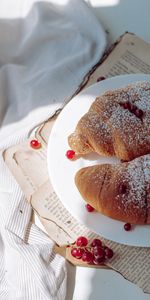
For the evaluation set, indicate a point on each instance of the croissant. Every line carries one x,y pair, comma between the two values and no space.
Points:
117,124
120,191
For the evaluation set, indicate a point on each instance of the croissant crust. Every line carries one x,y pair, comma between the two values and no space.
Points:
109,128
120,191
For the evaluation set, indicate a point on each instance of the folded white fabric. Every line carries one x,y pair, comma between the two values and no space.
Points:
46,49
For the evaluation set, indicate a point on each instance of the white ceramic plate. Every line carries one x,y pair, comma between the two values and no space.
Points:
62,171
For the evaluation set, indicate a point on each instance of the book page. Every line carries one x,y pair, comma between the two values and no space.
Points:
131,55
28,166
48,206
43,132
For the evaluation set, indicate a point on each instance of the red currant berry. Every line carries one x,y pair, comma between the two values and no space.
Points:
35,144
109,253
132,108
70,154
98,252
127,226
80,252
87,257
74,251
139,113
77,252
122,188
96,242
126,105
98,260
81,241
105,247
89,208
101,78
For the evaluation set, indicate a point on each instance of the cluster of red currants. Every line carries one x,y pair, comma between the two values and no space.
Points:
94,253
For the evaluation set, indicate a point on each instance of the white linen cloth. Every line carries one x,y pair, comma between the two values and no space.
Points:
46,49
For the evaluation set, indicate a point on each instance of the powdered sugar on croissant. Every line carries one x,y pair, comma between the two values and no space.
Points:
117,123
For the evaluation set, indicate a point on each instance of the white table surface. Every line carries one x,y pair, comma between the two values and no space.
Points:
116,16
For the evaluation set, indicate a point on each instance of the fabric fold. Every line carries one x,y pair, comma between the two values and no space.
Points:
44,57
